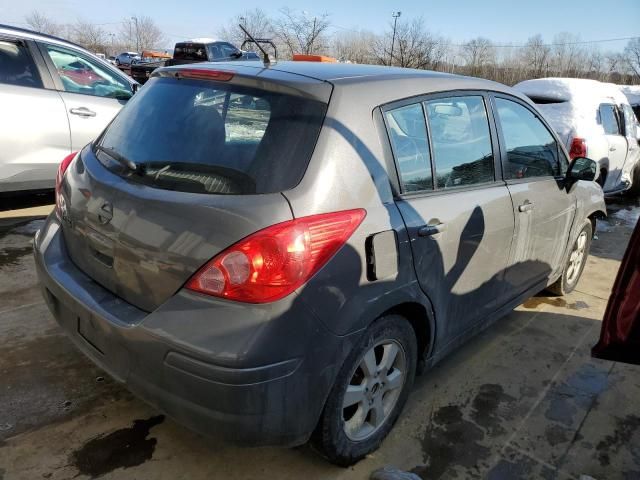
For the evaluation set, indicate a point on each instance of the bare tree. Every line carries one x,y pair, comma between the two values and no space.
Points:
536,56
355,47
41,23
632,57
256,21
414,46
90,36
478,54
302,33
141,33
567,54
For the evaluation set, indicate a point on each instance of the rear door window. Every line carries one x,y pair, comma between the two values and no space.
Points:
532,150
609,119
213,137
408,133
461,141
190,51
17,66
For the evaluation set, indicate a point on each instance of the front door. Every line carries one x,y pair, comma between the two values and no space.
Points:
93,94
534,166
459,217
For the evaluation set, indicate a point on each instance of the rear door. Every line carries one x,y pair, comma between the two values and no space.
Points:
534,166
34,130
457,210
92,92
614,132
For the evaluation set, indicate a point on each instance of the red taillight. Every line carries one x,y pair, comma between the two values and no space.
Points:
578,148
203,74
62,168
271,263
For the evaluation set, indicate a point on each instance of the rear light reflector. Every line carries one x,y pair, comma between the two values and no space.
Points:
578,148
204,74
271,263
62,168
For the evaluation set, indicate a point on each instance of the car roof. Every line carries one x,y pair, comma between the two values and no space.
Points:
32,34
342,72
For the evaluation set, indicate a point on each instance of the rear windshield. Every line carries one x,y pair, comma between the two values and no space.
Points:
190,51
212,137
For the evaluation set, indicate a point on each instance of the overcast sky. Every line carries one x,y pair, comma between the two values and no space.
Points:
503,21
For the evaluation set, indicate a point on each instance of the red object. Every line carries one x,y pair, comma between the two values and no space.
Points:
578,148
271,263
62,168
204,74
86,77
620,334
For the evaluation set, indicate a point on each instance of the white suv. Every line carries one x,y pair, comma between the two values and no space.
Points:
55,98
594,120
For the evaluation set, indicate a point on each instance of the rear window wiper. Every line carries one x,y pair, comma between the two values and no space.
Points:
117,157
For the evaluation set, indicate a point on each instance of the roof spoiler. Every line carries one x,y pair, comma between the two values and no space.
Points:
266,58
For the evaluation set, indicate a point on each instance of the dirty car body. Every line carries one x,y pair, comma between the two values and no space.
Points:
130,259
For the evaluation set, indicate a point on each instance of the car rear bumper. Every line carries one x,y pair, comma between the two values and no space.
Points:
253,375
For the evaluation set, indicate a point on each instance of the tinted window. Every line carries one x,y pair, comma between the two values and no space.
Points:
210,137
81,74
609,119
16,65
629,121
460,140
190,51
408,133
531,149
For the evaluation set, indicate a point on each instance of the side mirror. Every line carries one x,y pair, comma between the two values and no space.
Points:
582,169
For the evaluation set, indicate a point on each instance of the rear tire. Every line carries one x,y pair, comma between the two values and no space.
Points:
634,191
369,392
574,265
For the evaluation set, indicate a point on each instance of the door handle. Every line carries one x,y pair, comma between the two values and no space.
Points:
82,112
526,206
612,149
431,229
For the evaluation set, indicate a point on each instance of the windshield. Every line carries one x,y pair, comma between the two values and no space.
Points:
210,137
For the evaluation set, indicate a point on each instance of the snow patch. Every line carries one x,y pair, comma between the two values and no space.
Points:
570,105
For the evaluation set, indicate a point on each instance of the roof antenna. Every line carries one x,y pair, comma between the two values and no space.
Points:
266,59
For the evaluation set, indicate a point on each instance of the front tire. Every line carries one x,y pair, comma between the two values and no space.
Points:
369,392
574,266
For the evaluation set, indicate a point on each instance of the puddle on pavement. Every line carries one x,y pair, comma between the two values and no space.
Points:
625,429
11,255
124,448
452,440
535,302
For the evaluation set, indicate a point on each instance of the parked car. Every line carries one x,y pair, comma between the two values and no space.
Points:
56,97
592,119
193,51
127,58
620,332
264,253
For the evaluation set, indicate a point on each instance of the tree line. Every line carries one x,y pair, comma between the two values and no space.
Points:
414,46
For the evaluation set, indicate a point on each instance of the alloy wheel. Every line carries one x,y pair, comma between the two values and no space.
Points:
576,258
373,390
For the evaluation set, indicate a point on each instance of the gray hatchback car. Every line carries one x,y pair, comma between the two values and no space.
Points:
270,254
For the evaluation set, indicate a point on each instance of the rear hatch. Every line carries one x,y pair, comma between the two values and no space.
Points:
211,160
